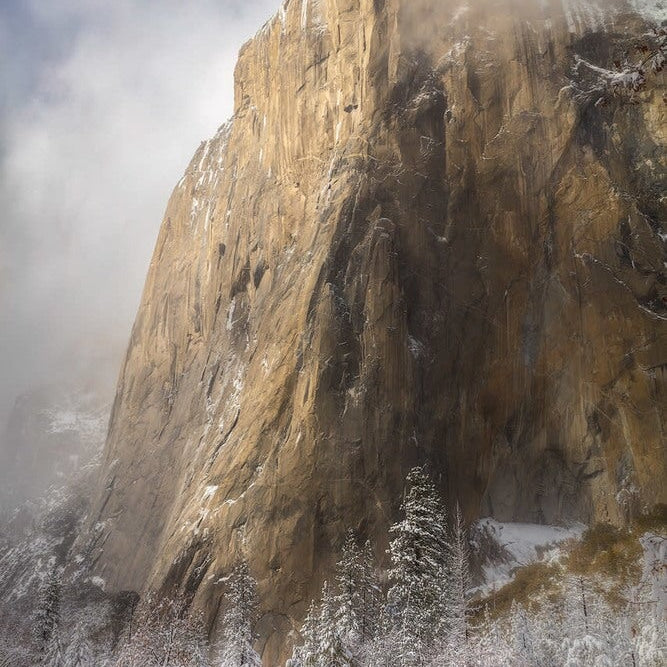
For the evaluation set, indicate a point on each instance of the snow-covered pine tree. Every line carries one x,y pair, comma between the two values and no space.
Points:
371,594
165,635
586,641
545,624
322,645
14,650
53,653
522,635
47,616
305,655
237,638
454,628
419,572
348,598
180,634
358,600
79,652
650,645
647,645
331,652
386,650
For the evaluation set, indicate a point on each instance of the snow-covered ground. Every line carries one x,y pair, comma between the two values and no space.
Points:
654,568
504,547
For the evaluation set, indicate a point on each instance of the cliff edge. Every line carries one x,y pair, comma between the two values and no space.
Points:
415,242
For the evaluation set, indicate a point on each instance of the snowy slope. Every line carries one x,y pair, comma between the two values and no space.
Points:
504,547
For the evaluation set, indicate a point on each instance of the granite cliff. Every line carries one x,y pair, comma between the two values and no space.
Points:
418,240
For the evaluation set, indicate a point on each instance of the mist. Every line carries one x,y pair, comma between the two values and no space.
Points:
103,105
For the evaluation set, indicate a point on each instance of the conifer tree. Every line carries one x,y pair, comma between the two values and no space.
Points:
239,619
586,640
490,648
305,655
651,644
165,635
53,655
322,645
79,652
348,598
522,636
454,627
372,597
419,571
47,617
647,631
331,652
358,599
546,629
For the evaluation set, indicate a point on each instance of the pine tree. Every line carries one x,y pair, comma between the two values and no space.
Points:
331,652
522,636
454,626
322,645
305,655
585,627
53,653
493,645
47,617
547,631
79,652
651,644
647,636
358,599
348,579
238,637
164,635
419,568
371,594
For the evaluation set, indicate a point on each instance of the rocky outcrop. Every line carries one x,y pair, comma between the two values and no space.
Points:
416,241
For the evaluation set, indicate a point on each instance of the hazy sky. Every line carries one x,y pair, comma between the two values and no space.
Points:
102,104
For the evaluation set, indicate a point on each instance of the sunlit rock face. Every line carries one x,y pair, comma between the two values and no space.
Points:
414,243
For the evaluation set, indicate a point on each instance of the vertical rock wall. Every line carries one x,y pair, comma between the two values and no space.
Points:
411,244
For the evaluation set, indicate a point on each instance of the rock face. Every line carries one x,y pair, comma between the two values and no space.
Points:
417,241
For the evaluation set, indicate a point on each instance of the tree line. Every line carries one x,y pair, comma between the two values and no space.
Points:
425,615
419,612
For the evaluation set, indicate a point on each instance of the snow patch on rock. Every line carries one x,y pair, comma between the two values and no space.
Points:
504,547
209,491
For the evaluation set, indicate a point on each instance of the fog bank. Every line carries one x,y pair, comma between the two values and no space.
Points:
103,105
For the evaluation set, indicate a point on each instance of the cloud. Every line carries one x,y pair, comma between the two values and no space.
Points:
104,104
